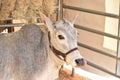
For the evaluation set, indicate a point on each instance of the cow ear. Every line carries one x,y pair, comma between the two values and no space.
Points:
48,24
73,19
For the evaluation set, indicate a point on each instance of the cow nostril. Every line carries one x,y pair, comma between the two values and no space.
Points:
80,62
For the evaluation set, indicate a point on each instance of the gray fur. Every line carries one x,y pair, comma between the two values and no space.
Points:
25,55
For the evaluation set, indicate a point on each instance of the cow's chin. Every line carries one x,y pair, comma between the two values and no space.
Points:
72,63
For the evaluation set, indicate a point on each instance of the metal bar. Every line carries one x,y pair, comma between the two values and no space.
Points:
18,24
97,50
101,68
96,31
91,11
117,73
19,18
56,6
58,15
60,10
118,48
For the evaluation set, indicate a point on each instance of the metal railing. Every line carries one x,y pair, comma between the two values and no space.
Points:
18,24
60,7
9,25
117,57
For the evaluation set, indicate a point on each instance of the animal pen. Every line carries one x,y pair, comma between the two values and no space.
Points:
98,25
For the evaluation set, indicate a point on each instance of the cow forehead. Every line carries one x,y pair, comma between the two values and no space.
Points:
66,27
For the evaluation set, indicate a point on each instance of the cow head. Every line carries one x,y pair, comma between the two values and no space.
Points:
63,38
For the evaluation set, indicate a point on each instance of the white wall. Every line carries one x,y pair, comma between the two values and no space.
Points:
111,24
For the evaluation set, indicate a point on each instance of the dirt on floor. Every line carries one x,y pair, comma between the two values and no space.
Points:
65,74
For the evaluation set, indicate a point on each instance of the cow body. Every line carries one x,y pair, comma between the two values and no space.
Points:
25,55
37,54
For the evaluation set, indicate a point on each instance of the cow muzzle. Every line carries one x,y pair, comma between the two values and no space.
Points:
75,59
80,62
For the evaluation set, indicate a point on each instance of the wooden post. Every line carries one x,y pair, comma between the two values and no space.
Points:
10,29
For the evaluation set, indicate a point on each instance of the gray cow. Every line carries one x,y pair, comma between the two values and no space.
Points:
34,54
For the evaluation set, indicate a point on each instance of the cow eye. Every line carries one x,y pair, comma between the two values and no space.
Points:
61,37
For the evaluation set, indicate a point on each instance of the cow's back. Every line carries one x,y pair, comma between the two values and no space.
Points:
21,53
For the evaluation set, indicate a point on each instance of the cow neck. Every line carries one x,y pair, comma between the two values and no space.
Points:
58,53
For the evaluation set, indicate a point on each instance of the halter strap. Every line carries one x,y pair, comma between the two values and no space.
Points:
58,53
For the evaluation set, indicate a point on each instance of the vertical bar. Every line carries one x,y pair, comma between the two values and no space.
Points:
2,28
118,54
58,15
73,72
60,9
118,48
10,29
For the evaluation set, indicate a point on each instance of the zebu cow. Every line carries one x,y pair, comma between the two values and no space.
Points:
34,54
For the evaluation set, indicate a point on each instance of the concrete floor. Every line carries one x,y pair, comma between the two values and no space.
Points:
100,73
91,73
